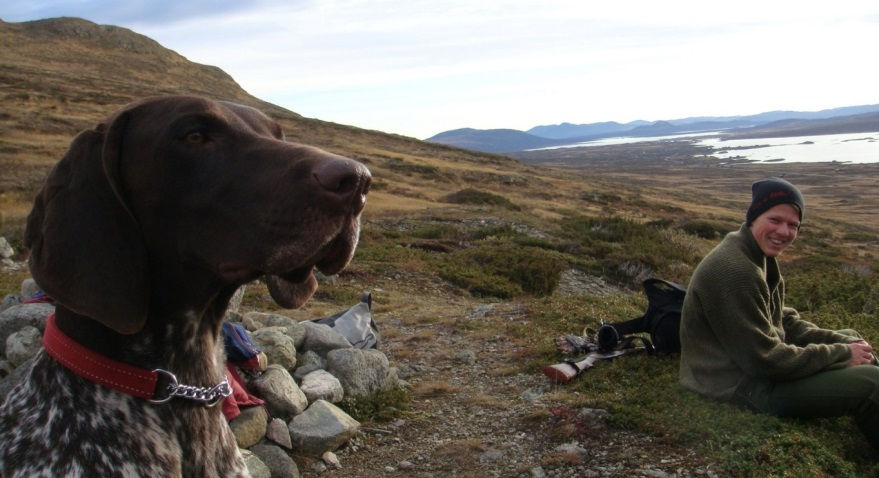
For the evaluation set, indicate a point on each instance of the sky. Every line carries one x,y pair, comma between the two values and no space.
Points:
419,67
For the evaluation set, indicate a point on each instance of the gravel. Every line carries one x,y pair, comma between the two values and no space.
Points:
486,422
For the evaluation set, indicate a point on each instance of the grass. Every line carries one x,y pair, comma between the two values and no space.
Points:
642,392
511,255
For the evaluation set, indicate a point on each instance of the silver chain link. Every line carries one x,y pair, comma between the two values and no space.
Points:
209,396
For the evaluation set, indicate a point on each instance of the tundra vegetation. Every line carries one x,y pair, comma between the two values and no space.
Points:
446,231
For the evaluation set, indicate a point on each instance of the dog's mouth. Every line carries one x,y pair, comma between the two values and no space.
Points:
292,288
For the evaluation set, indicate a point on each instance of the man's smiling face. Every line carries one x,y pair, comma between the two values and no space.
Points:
776,228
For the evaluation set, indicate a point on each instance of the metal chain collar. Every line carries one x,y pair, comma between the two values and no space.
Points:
209,396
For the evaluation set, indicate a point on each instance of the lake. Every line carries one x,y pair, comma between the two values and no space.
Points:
843,148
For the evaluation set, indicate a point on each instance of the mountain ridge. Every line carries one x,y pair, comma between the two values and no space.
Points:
492,140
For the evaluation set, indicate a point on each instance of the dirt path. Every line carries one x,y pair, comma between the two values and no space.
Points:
471,418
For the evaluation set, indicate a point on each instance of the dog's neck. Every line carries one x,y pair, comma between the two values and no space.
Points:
171,340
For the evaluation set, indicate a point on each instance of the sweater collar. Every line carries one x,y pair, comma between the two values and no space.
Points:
769,265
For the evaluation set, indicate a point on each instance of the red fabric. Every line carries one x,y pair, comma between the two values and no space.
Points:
252,364
240,396
95,367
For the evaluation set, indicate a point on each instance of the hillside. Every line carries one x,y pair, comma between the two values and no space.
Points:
860,123
492,140
60,76
477,261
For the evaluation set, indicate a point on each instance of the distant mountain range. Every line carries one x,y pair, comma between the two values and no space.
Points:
774,123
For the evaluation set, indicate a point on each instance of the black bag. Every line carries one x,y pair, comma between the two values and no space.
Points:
662,320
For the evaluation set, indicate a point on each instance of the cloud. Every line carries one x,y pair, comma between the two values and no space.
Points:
418,67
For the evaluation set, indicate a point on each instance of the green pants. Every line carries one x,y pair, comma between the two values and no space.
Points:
847,391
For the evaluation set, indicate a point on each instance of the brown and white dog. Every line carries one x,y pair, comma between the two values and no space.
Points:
142,233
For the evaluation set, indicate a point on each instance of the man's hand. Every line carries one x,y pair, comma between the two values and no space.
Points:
862,353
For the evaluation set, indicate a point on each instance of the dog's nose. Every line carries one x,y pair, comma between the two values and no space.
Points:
344,179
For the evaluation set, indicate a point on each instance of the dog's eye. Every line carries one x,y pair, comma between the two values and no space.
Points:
195,137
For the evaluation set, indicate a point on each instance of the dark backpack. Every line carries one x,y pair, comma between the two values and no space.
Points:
662,320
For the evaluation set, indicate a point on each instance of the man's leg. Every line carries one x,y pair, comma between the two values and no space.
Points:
848,391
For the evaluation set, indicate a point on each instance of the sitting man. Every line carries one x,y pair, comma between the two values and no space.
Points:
739,342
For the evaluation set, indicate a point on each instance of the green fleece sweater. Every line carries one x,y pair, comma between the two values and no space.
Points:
734,326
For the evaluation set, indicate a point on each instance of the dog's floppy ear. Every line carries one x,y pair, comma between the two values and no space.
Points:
86,250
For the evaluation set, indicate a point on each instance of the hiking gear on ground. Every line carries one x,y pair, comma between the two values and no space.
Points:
577,344
355,324
569,369
662,320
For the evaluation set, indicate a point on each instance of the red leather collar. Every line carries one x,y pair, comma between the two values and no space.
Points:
157,386
97,368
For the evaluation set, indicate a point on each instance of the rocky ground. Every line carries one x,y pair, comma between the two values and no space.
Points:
471,417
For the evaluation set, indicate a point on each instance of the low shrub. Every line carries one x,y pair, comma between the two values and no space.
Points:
383,406
705,229
477,197
502,270
437,231
818,283
616,240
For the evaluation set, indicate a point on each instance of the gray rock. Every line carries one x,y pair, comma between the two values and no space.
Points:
594,418
572,449
249,427
321,339
280,464
309,357
409,370
277,345
303,370
532,394
321,428
255,466
283,397
362,373
294,328
491,455
29,288
322,385
251,322
331,460
279,434
9,300
19,316
6,251
467,357
23,345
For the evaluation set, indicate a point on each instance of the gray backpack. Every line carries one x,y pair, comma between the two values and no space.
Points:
355,324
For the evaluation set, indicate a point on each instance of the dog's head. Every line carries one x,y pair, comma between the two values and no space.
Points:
191,195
